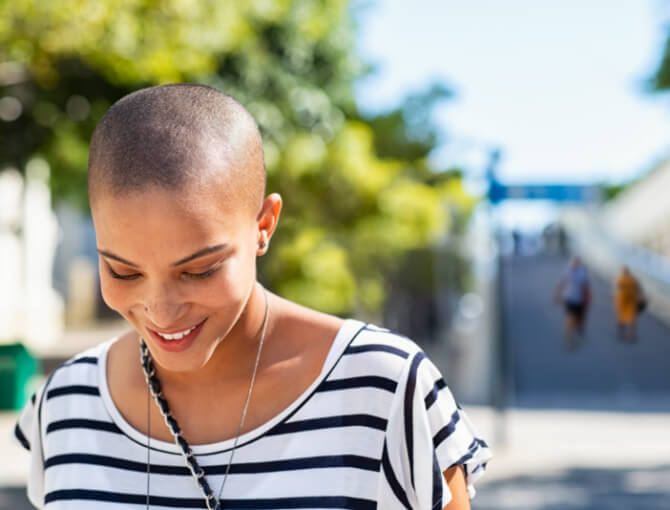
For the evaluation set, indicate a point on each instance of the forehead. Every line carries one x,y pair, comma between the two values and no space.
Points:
168,221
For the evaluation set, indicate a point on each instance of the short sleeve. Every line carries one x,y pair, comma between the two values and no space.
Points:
24,423
427,434
28,434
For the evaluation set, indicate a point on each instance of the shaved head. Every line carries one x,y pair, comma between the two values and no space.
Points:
174,137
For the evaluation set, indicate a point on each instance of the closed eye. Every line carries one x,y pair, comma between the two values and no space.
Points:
213,269
118,276
205,274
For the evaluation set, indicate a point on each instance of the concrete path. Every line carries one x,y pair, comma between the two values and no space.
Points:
603,373
575,460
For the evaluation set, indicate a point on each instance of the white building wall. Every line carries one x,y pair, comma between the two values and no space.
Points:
641,214
31,311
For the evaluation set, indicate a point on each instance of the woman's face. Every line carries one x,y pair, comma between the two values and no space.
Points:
179,267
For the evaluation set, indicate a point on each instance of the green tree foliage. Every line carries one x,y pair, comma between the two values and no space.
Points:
660,81
358,191
409,131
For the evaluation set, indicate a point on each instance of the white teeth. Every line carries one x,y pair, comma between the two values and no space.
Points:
176,336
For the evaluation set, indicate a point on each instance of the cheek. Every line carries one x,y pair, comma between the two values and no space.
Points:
228,287
115,294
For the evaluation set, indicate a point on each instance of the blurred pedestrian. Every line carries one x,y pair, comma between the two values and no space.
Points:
628,301
517,241
574,292
562,241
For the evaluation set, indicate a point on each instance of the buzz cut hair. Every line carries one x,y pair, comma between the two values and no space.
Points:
173,136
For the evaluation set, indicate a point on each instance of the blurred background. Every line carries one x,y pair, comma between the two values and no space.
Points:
440,163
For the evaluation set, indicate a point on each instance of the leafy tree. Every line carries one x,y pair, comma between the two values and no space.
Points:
359,191
660,81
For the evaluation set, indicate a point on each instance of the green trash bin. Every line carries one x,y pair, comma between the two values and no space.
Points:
18,369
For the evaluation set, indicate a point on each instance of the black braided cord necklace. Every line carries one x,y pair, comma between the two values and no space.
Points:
154,389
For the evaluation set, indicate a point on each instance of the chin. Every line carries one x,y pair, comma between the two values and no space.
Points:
189,361
180,365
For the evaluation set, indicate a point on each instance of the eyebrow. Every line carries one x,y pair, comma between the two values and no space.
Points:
197,254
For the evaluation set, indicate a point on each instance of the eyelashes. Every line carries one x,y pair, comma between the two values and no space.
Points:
118,276
205,274
134,276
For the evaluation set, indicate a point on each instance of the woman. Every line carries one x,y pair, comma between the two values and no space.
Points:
225,395
627,297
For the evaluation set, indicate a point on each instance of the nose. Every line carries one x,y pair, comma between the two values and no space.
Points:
164,306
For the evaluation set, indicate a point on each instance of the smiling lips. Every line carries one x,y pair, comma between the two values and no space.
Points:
176,336
179,340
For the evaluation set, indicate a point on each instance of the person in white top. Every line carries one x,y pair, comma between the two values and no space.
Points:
574,291
224,395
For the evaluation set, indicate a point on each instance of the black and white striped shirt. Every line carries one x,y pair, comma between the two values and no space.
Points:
376,429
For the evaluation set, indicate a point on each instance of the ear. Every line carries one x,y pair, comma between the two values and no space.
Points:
267,221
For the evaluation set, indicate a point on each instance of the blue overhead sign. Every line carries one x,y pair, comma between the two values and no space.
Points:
554,192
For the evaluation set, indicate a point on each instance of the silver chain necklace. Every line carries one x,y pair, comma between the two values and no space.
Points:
154,389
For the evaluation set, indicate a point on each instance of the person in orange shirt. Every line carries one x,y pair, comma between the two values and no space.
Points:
627,299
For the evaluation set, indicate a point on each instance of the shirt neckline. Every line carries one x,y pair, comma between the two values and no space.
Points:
342,338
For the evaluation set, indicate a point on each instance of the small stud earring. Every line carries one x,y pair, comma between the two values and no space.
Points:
263,243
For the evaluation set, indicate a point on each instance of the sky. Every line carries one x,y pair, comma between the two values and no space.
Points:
558,86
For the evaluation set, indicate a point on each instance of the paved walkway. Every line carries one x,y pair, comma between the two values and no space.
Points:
603,372
557,459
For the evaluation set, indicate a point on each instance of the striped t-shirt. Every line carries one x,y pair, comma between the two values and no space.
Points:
376,429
